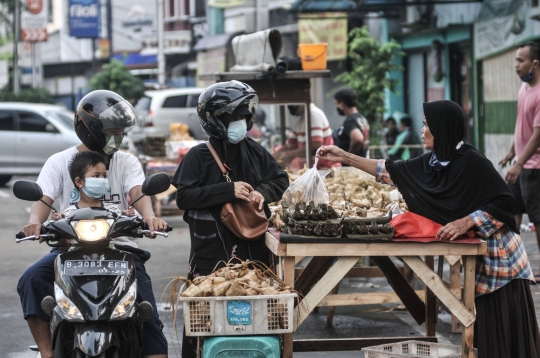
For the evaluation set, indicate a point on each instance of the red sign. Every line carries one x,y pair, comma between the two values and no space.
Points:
34,6
34,34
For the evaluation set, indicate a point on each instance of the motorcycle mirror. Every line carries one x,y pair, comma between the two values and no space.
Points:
154,184
29,191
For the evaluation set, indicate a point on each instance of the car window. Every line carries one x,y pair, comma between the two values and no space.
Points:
143,104
192,101
7,122
66,118
32,122
175,102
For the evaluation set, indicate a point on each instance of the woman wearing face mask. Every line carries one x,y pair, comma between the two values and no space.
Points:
225,112
458,187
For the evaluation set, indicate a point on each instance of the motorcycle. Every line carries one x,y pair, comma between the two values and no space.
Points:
94,311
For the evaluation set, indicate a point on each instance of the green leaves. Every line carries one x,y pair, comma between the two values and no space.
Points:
29,95
370,63
115,77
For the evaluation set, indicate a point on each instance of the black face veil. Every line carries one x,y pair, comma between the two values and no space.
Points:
468,183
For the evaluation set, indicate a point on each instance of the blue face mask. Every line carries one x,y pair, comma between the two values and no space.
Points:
529,76
237,131
95,188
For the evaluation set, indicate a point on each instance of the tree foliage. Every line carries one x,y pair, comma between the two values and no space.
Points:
115,77
370,63
29,95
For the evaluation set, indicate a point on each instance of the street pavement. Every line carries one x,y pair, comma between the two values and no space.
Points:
170,260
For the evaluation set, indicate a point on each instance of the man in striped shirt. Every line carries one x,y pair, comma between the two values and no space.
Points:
293,153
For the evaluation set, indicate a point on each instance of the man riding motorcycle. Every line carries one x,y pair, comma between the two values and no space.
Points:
101,120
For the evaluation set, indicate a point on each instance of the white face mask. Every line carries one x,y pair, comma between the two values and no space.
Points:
237,131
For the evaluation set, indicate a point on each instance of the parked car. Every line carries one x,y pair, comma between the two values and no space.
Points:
31,133
158,109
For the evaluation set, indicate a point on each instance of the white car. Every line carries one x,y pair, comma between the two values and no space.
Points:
29,134
158,109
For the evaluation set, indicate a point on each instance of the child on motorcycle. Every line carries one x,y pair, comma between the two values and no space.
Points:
89,175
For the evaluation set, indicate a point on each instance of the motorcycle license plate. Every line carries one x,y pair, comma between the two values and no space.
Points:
95,267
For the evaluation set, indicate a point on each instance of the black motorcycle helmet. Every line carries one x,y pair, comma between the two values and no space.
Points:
101,120
223,101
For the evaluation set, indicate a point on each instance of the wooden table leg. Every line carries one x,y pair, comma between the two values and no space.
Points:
469,286
288,278
455,286
331,309
431,304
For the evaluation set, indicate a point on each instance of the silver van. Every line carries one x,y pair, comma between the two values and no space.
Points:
29,134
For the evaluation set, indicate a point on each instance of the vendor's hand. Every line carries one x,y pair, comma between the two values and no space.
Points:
154,224
129,212
257,197
513,173
507,159
331,153
33,229
455,229
242,190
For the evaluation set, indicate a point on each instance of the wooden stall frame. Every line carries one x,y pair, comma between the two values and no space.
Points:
347,254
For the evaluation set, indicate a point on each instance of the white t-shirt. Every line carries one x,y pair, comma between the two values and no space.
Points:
125,172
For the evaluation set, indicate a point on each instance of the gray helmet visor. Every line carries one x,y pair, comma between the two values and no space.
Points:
251,100
119,118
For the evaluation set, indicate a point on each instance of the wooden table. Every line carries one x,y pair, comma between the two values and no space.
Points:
325,271
291,87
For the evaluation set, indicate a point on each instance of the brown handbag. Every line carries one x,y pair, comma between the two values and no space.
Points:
243,218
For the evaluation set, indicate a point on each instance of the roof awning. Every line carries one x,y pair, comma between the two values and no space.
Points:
215,41
307,6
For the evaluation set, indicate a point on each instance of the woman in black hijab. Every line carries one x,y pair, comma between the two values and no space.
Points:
225,111
458,187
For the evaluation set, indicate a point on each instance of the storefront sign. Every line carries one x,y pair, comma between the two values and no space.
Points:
330,28
173,42
497,34
83,18
34,19
225,3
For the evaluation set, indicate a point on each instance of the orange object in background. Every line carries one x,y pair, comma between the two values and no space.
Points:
313,56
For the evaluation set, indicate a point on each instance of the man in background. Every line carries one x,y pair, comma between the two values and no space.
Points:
353,135
293,153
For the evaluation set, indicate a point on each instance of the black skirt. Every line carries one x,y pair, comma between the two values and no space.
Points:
506,325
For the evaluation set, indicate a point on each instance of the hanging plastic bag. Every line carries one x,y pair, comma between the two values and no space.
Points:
310,186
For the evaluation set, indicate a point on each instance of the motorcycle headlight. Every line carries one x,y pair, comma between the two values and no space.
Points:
70,311
127,303
91,230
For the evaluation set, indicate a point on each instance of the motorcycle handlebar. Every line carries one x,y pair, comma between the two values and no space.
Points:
168,229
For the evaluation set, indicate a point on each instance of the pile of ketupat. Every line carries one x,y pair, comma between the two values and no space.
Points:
353,193
246,278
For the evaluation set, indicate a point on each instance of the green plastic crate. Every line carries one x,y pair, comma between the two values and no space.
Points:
242,347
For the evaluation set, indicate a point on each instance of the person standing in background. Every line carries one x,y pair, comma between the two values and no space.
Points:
293,153
391,131
353,135
526,147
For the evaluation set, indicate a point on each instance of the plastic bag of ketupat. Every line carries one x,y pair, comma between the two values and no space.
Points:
310,186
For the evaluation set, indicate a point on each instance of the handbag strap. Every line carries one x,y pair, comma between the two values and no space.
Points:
218,161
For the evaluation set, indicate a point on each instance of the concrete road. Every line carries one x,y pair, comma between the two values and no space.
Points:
169,260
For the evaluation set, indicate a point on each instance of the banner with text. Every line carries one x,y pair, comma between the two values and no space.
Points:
84,18
330,28
34,17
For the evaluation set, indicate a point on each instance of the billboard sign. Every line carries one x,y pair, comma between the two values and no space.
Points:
84,18
34,19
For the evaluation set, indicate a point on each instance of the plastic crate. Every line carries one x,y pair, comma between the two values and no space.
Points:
242,347
414,349
238,315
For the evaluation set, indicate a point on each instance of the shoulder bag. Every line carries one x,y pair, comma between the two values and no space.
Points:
243,218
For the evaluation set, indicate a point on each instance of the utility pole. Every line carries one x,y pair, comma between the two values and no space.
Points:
109,27
161,55
16,84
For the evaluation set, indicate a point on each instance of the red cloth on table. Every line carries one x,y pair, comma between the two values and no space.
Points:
411,225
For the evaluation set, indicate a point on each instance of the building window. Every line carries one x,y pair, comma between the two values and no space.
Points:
176,8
